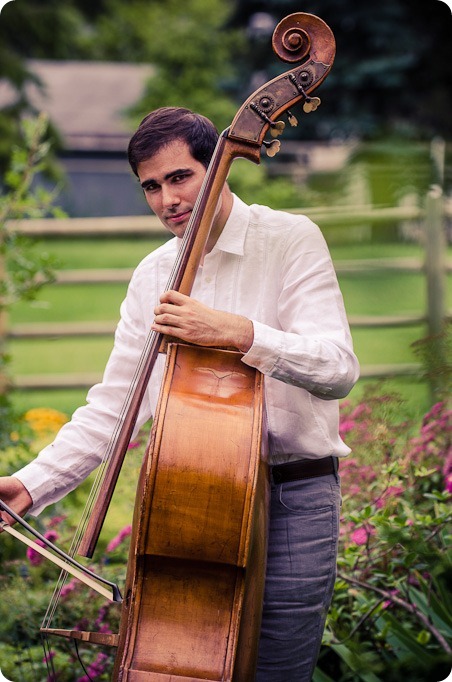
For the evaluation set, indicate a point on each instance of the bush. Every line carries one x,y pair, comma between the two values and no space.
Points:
391,615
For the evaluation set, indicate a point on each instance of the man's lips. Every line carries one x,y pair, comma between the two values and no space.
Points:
178,217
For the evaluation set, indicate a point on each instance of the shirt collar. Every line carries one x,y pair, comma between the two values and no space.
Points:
232,237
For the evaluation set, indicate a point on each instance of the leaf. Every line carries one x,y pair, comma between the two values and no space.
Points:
320,676
404,642
355,662
437,611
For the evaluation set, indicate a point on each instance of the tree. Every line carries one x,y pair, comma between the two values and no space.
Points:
39,29
188,45
23,271
185,41
393,68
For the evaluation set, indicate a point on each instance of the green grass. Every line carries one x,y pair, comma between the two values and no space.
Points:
388,293
63,356
66,400
99,253
71,303
349,250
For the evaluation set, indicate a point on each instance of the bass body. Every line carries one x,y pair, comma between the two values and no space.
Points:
194,589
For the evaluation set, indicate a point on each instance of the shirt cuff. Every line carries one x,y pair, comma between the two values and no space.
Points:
265,349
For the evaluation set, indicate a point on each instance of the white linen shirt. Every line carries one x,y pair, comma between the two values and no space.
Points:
275,269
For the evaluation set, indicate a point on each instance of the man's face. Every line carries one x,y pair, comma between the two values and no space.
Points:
171,180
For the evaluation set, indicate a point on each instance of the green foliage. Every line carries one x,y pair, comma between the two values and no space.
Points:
188,46
252,184
382,56
21,655
435,354
391,612
29,29
23,271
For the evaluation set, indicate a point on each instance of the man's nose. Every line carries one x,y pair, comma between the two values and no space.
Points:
170,196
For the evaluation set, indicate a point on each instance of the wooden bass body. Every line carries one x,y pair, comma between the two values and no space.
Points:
196,570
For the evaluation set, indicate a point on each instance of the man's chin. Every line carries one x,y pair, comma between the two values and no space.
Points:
177,227
176,230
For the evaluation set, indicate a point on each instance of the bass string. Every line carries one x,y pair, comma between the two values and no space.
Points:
151,339
182,253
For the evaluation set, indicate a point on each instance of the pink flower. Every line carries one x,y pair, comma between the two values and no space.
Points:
361,535
448,482
33,556
386,604
95,669
447,473
346,426
68,588
113,544
392,491
48,657
56,520
361,409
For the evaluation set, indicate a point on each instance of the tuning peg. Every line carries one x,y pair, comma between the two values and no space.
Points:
272,147
311,104
277,128
292,119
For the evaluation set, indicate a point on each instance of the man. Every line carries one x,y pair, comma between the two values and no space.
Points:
267,287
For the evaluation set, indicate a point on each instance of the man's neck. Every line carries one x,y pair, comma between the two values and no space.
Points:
223,212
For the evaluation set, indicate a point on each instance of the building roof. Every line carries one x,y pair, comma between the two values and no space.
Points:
86,101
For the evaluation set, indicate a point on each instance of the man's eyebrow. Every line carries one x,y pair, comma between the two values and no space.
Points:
168,176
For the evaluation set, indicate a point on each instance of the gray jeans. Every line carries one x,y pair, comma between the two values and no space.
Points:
301,570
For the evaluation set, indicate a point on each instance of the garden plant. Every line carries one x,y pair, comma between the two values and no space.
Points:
391,614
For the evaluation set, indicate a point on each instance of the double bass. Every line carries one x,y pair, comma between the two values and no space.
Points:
193,595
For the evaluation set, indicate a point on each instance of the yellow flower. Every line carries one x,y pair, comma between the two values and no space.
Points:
45,420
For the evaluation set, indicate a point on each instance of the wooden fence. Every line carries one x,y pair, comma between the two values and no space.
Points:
433,265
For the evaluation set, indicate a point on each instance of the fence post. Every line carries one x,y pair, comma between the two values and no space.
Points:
438,157
435,266
435,271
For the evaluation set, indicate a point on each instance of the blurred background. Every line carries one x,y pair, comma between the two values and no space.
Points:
361,165
99,67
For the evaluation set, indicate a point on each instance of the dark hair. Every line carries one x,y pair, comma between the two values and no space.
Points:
167,124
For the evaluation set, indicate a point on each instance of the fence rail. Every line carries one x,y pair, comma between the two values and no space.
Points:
433,266
145,226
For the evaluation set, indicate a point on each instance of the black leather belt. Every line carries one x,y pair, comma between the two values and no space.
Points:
304,468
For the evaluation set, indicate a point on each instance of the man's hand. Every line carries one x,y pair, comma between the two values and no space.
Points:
189,320
15,495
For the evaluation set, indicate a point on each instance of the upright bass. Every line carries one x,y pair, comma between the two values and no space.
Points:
195,576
